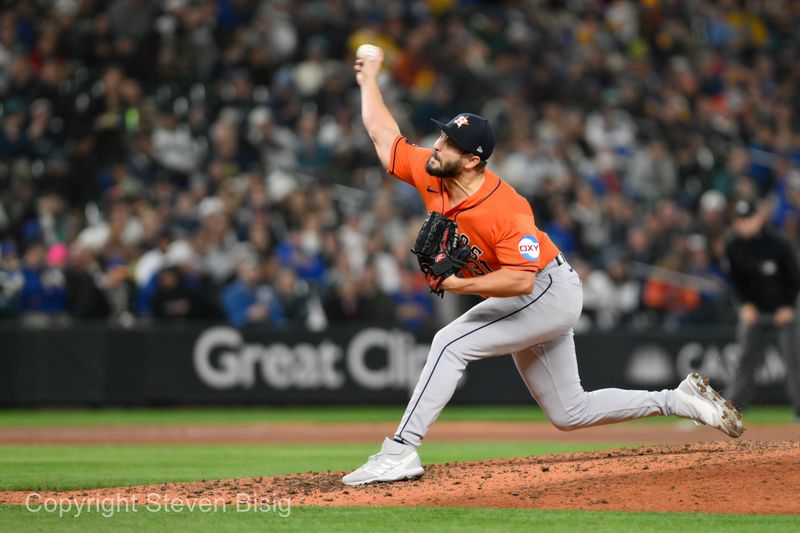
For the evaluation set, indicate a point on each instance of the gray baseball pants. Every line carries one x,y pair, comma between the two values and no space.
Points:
536,329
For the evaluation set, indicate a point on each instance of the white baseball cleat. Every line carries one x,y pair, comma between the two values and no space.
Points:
394,462
696,399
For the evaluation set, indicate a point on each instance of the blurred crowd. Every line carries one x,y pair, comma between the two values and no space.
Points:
201,159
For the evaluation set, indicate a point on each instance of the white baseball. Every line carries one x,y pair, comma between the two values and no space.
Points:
368,51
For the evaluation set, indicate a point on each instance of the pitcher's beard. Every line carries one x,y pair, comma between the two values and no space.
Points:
451,169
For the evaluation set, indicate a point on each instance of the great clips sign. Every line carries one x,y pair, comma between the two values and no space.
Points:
347,364
372,358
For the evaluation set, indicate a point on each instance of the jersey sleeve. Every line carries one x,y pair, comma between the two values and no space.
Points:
407,161
518,245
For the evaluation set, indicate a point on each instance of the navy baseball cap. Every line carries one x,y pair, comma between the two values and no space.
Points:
471,133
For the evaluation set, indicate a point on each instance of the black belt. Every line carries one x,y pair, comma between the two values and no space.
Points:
560,259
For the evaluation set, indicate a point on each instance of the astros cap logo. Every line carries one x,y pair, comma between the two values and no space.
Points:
461,121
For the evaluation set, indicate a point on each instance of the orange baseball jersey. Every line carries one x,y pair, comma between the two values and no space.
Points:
496,219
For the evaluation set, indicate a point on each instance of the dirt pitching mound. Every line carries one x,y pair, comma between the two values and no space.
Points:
723,477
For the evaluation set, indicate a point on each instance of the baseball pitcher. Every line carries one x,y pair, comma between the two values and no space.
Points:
481,238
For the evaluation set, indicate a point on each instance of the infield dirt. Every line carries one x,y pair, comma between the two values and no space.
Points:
720,475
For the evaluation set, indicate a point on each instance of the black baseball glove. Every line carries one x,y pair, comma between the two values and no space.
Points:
439,250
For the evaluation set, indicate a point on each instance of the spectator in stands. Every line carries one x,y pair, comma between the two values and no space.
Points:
173,147
85,296
215,240
302,256
44,293
228,156
611,295
292,296
178,291
358,299
177,298
342,303
247,300
277,145
120,292
668,294
375,304
412,302
652,173
120,118
11,281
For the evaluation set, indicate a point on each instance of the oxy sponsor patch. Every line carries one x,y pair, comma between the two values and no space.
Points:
529,247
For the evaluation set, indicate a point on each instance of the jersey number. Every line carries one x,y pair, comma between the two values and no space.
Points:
474,264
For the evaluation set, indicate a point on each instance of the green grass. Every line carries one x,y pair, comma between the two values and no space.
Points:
321,414
49,467
63,467
349,520
262,415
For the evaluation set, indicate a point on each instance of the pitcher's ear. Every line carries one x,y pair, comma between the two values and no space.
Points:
474,162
